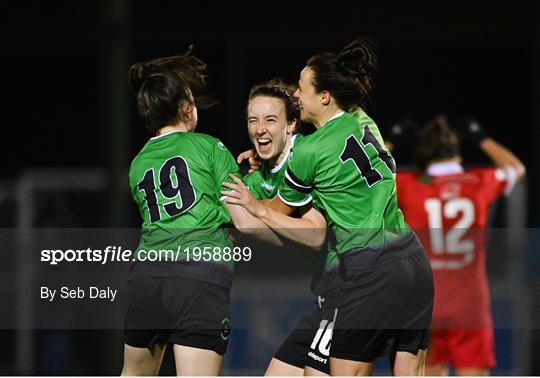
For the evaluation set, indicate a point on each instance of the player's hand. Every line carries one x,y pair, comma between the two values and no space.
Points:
240,195
469,130
253,160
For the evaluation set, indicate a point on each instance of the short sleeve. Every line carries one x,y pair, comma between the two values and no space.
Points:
509,175
224,164
299,177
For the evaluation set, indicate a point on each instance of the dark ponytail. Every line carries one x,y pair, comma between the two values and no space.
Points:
436,142
359,59
162,85
349,75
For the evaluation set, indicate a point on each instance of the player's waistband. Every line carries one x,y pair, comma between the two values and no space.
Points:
218,274
369,257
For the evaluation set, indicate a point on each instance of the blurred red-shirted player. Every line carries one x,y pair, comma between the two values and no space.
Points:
448,207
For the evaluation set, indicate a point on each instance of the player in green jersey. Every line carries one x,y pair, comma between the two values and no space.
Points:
272,117
386,298
179,287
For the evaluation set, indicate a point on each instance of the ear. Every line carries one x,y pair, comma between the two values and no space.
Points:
186,109
325,98
291,127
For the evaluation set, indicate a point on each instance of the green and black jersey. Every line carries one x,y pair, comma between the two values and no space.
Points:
264,183
176,182
344,169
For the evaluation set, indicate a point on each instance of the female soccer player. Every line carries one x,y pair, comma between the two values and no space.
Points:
272,117
182,296
386,297
449,206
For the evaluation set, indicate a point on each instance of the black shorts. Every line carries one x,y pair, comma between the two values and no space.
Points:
309,343
386,301
177,310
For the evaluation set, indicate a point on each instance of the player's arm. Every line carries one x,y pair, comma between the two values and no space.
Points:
278,205
309,230
502,156
470,130
242,220
247,224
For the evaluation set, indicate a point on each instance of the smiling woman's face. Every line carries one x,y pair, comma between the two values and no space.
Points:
267,126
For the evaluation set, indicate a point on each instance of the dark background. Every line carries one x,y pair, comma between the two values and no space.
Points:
66,102
65,65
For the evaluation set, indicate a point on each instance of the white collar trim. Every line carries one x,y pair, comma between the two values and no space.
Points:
278,167
169,133
337,115
444,168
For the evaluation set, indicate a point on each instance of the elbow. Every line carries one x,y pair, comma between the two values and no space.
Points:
317,241
243,227
521,170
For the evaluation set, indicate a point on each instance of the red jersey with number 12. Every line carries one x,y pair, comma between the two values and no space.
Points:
450,215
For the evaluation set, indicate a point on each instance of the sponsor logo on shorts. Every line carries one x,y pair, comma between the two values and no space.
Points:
226,329
318,358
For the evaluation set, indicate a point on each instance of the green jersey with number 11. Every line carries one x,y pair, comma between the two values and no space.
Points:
348,174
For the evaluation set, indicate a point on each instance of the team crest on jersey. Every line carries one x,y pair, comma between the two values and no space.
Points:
222,146
267,186
450,190
226,329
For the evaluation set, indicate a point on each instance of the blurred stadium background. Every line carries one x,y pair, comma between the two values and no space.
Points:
69,131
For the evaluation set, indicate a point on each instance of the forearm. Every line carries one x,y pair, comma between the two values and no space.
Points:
247,224
501,156
300,230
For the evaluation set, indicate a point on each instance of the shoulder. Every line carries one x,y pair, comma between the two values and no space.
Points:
203,138
359,116
487,173
208,141
304,144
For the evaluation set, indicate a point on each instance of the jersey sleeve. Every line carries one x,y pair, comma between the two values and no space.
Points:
224,164
297,185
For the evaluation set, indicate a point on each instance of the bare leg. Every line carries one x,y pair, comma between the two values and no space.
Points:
142,361
312,372
196,361
409,364
280,368
437,370
342,367
473,371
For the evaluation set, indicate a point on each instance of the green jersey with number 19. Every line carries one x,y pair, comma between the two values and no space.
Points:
346,171
176,182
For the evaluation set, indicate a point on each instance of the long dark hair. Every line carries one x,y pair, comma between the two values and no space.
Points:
436,141
348,75
162,85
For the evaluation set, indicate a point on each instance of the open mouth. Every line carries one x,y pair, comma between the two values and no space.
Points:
265,145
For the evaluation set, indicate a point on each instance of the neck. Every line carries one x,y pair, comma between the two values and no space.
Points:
278,159
180,126
326,115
